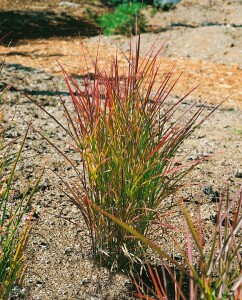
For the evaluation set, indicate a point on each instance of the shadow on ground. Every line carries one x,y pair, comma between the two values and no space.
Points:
33,90
43,24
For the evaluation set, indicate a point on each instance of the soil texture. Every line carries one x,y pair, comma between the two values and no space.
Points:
203,38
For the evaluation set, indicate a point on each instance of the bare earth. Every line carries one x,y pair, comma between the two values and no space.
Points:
203,38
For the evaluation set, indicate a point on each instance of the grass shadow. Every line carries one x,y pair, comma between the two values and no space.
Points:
145,282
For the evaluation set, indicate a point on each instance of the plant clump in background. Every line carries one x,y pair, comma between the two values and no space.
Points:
124,19
123,15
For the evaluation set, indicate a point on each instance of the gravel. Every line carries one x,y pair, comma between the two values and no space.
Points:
59,251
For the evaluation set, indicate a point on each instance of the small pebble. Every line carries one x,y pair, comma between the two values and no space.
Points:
68,250
238,174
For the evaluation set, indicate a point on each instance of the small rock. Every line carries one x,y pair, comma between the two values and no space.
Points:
39,283
193,157
95,298
36,215
44,245
9,135
17,291
85,281
164,3
69,4
127,283
238,174
213,195
68,250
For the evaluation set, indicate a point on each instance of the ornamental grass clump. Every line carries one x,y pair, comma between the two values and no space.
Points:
217,275
127,137
14,230
213,266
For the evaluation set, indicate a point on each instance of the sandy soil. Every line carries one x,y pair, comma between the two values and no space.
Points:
205,37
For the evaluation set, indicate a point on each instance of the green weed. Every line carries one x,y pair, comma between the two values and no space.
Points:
123,20
14,231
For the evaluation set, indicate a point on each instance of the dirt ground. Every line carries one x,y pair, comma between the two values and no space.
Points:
203,38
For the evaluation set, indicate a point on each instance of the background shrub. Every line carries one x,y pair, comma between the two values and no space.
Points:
124,19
